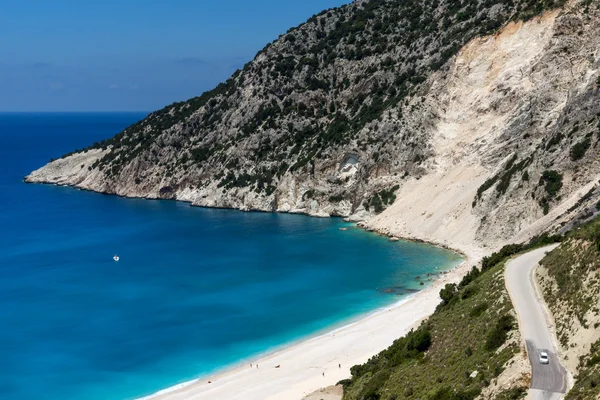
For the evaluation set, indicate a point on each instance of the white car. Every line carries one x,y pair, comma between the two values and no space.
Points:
544,357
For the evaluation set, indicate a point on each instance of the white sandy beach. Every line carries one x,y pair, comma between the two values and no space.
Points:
301,366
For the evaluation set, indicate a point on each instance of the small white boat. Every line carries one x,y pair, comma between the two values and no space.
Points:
116,257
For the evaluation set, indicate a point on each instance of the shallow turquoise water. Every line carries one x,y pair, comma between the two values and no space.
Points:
196,289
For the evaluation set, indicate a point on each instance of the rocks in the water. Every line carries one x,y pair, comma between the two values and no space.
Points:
398,290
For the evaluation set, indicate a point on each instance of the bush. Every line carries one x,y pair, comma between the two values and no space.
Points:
468,292
382,199
578,150
486,185
499,333
402,350
514,393
512,249
419,341
448,293
371,390
478,310
552,182
496,258
345,383
469,277
446,393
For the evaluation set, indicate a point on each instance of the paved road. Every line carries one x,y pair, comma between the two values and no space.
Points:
547,381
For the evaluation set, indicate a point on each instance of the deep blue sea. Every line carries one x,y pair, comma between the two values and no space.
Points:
195,289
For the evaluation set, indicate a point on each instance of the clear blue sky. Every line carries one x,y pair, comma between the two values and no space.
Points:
120,55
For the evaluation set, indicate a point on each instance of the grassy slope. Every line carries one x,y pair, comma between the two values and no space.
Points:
574,296
469,331
587,385
460,332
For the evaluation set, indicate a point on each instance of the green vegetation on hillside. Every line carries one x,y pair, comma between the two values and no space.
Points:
580,148
573,297
504,177
574,268
587,385
381,199
317,87
512,394
438,361
552,183
511,249
467,333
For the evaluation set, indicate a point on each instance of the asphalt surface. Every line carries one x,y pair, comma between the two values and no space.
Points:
548,381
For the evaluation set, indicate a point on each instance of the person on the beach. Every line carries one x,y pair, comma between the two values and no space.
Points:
250,365
340,365
323,373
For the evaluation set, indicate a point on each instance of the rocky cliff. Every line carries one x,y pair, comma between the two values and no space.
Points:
469,123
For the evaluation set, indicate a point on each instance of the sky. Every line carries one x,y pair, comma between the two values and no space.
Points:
131,55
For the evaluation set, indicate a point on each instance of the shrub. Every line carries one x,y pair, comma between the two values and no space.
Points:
497,336
545,206
446,393
468,291
419,341
469,277
578,150
552,182
505,252
448,293
512,249
486,185
402,350
478,310
382,199
371,390
556,139
514,393
345,383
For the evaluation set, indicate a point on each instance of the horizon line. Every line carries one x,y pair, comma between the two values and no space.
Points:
75,112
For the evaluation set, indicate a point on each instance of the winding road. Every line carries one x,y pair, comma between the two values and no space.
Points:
548,382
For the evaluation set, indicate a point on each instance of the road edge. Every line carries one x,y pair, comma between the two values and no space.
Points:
549,317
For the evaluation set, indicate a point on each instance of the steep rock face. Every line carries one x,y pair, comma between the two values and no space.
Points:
509,118
377,103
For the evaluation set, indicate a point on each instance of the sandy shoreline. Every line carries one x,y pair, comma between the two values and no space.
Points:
302,364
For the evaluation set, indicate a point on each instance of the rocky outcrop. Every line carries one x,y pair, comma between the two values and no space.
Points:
377,112
511,109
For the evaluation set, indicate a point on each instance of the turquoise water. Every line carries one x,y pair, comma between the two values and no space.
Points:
195,290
